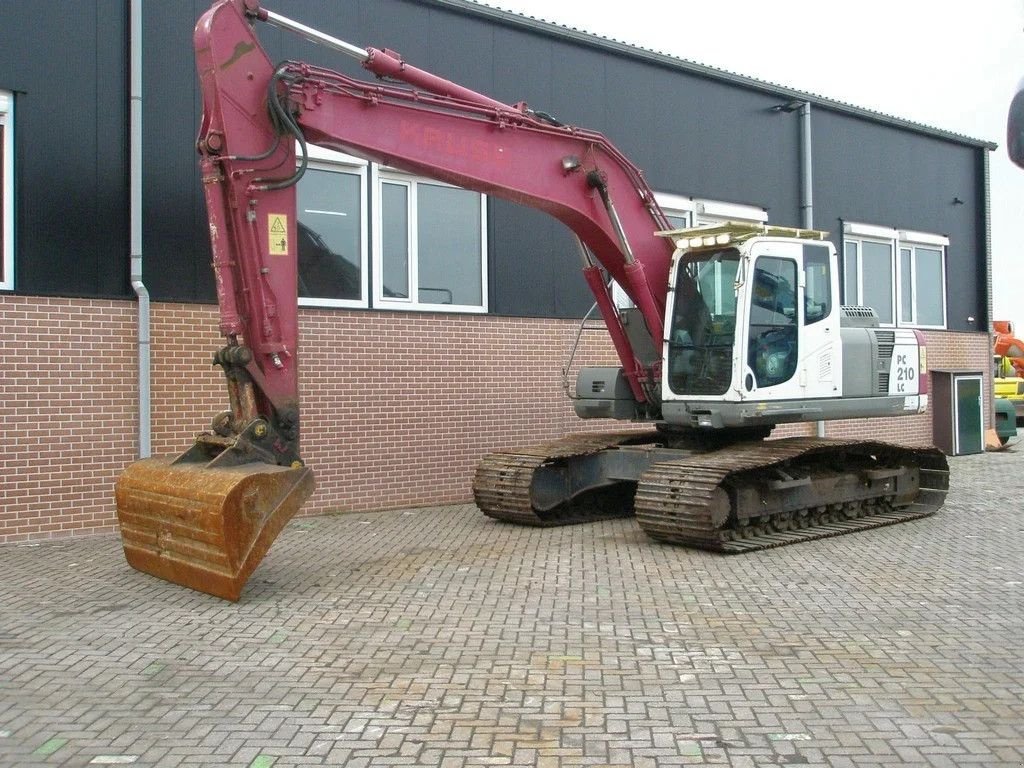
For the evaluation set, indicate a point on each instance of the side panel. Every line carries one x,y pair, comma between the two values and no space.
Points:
68,71
859,354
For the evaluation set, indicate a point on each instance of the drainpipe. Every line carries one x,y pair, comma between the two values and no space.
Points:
807,189
807,183
135,215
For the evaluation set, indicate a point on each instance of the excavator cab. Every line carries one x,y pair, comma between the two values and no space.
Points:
755,335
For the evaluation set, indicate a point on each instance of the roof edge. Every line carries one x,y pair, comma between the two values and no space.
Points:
553,29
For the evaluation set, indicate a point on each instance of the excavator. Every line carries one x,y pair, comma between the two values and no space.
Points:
731,330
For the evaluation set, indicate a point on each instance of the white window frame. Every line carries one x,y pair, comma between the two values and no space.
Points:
907,239
671,205
698,212
378,176
339,162
897,240
711,212
676,205
7,246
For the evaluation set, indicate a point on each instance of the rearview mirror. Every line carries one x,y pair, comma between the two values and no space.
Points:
1015,127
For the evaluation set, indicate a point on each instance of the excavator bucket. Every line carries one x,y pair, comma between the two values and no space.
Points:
202,527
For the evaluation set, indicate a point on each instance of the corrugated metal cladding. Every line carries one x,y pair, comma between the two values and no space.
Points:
693,134
67,67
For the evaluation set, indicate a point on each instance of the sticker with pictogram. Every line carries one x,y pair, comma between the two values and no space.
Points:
277,234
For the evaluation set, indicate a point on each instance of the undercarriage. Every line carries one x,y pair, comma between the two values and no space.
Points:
735,498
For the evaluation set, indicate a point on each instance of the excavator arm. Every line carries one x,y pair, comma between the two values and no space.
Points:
436,129
206,518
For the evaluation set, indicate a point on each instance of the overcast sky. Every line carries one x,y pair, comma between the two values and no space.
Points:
951,64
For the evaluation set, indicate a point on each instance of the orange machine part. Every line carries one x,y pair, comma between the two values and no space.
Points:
205,528
1005,344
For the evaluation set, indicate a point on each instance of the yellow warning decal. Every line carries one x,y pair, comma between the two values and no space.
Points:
277,234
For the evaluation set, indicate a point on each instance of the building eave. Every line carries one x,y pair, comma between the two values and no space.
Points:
782,92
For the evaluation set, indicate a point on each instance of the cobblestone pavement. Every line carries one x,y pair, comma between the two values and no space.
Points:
437,637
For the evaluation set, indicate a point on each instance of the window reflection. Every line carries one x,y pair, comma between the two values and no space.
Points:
772,351
703,324
329,235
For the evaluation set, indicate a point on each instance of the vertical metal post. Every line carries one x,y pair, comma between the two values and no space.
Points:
135,215
807,191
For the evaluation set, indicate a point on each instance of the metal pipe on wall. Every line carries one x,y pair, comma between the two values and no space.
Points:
807,190
135,216
806,180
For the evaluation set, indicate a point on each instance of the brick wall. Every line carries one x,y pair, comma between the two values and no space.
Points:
67,406
397,407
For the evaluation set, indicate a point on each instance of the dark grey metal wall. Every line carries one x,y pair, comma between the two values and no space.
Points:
67,65
877,174
694,135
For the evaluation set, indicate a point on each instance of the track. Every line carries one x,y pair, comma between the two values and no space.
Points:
501,486
693,501
681,501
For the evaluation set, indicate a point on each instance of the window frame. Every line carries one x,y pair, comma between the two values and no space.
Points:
898,240
698,212
379,175
708,213
677,206
7,193
323,159
921,240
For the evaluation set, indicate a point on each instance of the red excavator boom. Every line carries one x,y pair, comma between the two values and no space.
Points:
206,518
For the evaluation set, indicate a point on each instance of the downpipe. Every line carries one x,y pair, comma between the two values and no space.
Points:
807,190
135,216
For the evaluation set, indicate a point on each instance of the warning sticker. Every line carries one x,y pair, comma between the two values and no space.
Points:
277,234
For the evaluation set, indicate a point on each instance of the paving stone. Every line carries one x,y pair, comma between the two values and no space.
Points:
437,637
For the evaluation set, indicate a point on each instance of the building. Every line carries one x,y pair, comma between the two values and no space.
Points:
413,365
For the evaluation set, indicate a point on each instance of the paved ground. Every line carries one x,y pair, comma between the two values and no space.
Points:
440,638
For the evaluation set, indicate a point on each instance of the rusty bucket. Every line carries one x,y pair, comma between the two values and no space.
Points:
202,527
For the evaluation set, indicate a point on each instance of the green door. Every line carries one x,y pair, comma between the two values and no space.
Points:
967,414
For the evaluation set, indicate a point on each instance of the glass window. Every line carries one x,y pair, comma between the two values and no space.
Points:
910,291
431,246
449,245
818,284
929,286
395,239
906,287
6,190
877,278
868,276
772,348
703,324
851,269
332,225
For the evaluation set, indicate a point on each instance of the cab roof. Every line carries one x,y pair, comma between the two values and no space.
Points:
733,233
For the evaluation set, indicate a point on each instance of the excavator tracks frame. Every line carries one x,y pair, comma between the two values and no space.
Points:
680,502
810,488
502,483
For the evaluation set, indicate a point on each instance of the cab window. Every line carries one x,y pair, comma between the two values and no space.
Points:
703,324
818,282
772,347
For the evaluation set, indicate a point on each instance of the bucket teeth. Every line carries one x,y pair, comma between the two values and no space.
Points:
205,528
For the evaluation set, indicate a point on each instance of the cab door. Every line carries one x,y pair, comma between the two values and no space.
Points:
822,358
792,346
